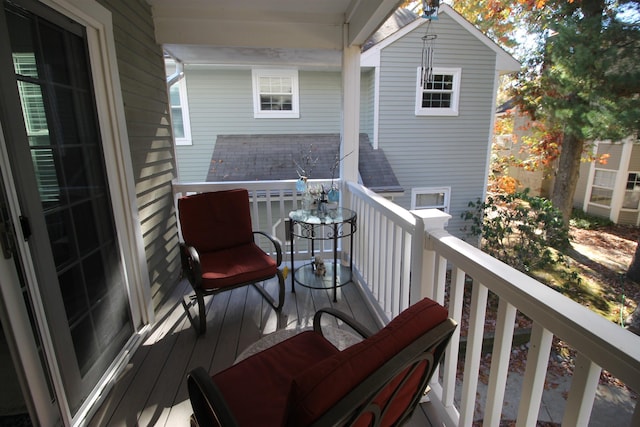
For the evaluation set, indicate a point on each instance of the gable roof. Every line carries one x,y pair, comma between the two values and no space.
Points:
401,23
271,157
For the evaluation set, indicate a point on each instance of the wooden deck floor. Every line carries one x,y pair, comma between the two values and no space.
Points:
152,389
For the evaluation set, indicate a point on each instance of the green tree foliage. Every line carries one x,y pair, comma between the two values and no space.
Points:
518,229
582,77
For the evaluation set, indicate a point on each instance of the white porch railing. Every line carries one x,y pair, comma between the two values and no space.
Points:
401,256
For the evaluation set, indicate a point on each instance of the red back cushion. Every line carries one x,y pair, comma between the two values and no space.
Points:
216,220
319,387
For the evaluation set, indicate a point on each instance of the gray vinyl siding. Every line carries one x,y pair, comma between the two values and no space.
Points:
144,92
221,103
438,151
631,217
634,161
582,186
367,100
628,218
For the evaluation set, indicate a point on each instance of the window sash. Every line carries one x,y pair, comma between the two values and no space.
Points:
440,95
180,121
275,93
431,198
632,193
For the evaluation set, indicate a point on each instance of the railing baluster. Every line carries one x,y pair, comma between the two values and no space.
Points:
534,376
500,356
582,393
456,301
473,352
441,277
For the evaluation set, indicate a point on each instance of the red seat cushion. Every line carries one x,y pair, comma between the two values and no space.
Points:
319,387
257,389
240,264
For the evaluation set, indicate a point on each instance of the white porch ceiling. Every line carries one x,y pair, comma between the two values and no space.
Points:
307,33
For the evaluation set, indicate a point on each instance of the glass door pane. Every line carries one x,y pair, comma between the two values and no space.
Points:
80,271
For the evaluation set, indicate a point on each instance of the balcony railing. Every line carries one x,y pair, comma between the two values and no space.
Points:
401,256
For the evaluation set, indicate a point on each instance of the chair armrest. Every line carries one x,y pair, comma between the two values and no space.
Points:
362,330
209,406
276,244
191,264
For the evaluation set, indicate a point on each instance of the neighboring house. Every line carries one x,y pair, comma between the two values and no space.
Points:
611,189
439,152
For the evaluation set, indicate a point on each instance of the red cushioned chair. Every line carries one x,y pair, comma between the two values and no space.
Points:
306,381
219,252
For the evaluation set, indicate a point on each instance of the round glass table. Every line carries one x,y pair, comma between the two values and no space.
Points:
314,225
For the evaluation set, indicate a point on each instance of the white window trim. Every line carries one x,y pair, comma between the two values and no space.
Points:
415,192
592,186
294,113
626,191
455,98
184,105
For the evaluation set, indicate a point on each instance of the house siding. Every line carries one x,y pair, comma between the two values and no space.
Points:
221,103
628,217
367,101
144,92
438,151
634,161
582,186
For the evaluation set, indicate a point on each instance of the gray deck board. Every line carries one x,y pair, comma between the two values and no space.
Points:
152,389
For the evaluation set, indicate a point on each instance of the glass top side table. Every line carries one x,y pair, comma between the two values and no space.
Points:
315,225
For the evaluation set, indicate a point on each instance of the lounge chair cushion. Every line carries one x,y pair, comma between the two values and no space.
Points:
206,224
270,374
320,386
240,264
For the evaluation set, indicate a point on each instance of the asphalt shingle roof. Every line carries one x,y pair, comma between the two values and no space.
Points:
275,157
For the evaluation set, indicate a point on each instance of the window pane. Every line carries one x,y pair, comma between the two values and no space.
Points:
276,103
430,200
178,122
176,111
601,196
174,95
633,181
604,178
436,100
438,93
440,82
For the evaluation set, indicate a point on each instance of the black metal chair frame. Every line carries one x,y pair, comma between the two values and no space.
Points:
193,271
210,408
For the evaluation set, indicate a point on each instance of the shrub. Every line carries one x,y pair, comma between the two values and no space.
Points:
518,229
581,219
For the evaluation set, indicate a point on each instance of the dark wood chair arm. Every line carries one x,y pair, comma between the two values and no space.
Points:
276,244
209,406
349,321
191,264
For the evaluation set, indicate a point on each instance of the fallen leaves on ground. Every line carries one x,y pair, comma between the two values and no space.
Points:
603,254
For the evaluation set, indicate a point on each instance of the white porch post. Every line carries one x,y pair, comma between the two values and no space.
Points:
350,110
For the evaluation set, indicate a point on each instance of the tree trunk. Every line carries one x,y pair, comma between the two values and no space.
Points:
567,173
633,272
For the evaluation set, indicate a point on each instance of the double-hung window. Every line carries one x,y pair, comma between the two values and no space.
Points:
632,192
431,198
602,187
180,112
439,93
275,94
